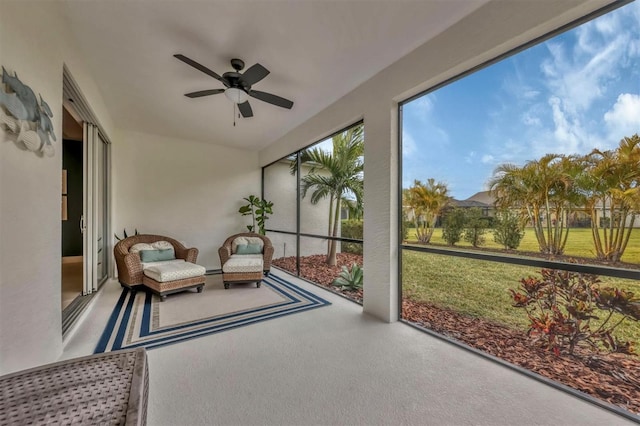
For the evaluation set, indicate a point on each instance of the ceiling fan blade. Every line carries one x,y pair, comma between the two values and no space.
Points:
203,93
254,74
245,109
272,99
202,68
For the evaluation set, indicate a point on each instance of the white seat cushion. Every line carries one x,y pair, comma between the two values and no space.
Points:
240,263
246,256
161,262
173,271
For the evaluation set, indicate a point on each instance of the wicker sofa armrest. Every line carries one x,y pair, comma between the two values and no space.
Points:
191,255
132,274
267,256
225,253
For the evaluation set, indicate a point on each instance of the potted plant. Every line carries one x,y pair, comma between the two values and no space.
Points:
258,209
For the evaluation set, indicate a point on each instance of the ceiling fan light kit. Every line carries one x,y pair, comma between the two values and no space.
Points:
235,95
237,85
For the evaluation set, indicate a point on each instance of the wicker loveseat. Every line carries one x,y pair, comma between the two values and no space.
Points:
131,270
245,268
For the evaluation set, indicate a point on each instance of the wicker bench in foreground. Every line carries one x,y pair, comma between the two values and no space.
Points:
103,389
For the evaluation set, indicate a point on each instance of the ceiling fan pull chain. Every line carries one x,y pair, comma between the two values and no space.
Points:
234,114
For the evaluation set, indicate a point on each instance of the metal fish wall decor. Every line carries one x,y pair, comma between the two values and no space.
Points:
25,115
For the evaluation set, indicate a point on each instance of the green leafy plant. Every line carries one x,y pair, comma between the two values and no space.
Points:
453,226
350,280
124,232
406,224
475,227
258,209
508,230
352,229
561,306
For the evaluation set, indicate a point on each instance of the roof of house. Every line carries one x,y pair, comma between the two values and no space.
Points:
483,197
469,203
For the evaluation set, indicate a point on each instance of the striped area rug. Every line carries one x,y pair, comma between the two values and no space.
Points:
141,320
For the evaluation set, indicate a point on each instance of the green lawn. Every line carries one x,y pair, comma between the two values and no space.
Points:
579,243
480,288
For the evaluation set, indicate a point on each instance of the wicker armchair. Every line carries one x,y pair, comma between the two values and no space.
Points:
225,252
129,266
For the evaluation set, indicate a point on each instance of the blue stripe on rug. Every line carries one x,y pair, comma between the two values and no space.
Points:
126,333
106,334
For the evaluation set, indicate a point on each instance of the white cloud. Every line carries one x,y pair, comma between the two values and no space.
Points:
409,146
422,107
487,159
469,158
579,74
425,104
531,120
623,119
568,133
530,94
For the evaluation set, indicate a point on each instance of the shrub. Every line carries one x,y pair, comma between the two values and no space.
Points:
475,226
350,280
560,306
406,224
352,229
453,226
508,230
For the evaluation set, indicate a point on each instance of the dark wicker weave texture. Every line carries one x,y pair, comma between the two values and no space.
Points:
104,389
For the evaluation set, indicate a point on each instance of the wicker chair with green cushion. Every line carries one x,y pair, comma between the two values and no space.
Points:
245,257
138,267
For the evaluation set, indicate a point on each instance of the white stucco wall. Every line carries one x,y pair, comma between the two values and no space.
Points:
35,41
477,38
187,190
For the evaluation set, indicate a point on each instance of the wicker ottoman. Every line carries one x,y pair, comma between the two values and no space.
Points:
243,268
173,277
104,389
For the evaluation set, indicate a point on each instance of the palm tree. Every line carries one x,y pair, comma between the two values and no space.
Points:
426,201
610,182
338,175
544,191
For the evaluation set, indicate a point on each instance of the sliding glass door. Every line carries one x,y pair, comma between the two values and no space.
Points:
94,224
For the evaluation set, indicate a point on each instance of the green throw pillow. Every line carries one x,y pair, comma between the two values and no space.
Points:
249,249
157,255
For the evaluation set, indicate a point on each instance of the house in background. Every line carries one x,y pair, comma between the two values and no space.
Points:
481,200
178,166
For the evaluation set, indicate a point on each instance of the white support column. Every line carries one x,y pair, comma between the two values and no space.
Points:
380,213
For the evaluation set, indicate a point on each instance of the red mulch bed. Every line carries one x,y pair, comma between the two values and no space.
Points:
614,378
314,268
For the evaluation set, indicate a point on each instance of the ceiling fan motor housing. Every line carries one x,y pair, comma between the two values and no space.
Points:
237,64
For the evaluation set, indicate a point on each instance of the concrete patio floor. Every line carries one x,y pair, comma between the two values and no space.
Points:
334,365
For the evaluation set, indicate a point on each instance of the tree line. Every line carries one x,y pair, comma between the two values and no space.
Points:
544,193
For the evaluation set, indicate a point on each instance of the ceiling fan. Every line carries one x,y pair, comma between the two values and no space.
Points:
238,85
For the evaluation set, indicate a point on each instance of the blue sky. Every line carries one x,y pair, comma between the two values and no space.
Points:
573,93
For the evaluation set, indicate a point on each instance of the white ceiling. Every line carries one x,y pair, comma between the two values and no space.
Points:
317,51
